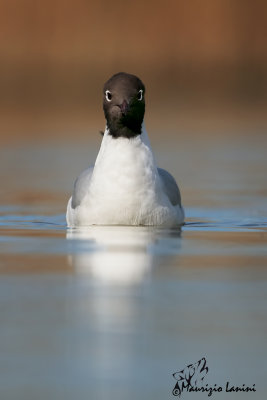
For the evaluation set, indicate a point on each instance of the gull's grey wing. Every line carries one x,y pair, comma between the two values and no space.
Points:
80,187
171,187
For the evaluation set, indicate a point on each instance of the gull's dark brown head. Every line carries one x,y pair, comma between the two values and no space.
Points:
124,105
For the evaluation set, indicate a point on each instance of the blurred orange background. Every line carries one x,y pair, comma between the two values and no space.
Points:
204,64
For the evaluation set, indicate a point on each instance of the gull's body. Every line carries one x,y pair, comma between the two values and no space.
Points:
125,187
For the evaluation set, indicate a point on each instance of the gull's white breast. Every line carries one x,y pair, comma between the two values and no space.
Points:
125,188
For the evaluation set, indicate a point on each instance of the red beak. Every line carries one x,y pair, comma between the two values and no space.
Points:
124,107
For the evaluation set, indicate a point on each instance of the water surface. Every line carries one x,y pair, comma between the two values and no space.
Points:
113,312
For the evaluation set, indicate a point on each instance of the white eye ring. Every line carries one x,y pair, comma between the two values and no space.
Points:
108,95
140,95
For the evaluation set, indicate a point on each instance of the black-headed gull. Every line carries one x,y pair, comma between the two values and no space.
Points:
125,186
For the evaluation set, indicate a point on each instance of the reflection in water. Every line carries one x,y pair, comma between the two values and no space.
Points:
117,254
115,309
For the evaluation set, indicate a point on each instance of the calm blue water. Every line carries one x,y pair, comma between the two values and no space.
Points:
113,312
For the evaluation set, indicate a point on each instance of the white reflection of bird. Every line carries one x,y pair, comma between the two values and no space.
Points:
113,254
125,187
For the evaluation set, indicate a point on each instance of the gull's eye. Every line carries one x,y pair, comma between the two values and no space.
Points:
140,95
108,95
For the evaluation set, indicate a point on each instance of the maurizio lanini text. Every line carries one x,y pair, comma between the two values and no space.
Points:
215,389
